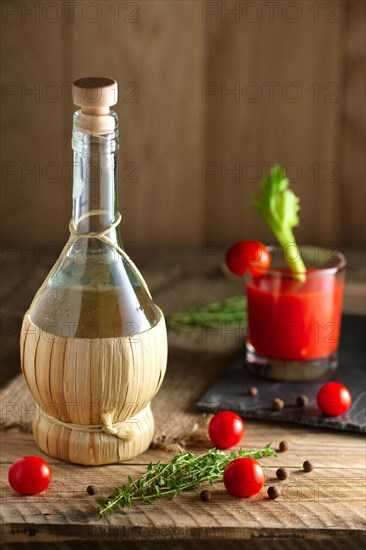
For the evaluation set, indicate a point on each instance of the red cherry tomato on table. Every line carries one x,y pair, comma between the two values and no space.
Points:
243,477
226,429
251,255
334,398
29,475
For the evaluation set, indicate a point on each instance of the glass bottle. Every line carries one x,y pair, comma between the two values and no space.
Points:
95,308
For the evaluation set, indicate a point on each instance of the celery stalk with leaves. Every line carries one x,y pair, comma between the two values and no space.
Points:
278,207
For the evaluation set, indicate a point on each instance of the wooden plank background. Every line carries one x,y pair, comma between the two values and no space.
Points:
297,75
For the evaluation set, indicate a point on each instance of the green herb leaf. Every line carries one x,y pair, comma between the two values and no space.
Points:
278,207
231,311
185,472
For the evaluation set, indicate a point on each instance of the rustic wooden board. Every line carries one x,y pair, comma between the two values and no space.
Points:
354,123
298,121
326,504
36,182
160,112
163,53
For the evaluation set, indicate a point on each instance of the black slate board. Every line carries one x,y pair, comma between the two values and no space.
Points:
230,391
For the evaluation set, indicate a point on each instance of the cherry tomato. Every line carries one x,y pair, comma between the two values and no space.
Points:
243,477
248,254
29,475
334,398
226,429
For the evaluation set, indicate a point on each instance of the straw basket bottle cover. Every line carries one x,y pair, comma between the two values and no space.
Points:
93,343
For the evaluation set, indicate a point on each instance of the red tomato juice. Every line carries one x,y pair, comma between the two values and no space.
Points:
291,320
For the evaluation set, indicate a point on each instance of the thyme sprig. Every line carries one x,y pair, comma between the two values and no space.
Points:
184,472
224,312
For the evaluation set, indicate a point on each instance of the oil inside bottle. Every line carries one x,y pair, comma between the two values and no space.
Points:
96,295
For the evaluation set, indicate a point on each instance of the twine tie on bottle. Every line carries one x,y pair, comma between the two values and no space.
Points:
102,236
127,430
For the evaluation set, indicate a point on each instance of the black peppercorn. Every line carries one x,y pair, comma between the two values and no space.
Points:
277,404
273,492
302,400
91,490
284,446
205,496
253,391
282,473
308,466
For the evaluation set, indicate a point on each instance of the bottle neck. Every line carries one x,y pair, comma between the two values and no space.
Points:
94,193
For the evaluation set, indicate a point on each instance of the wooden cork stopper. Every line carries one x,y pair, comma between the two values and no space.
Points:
95,96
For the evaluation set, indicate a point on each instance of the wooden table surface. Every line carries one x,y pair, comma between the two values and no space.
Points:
319,509
327,504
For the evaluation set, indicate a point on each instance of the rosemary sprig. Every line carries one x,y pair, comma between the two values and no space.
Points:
224,312
184,472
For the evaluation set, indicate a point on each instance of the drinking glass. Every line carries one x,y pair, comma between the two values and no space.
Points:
294,320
